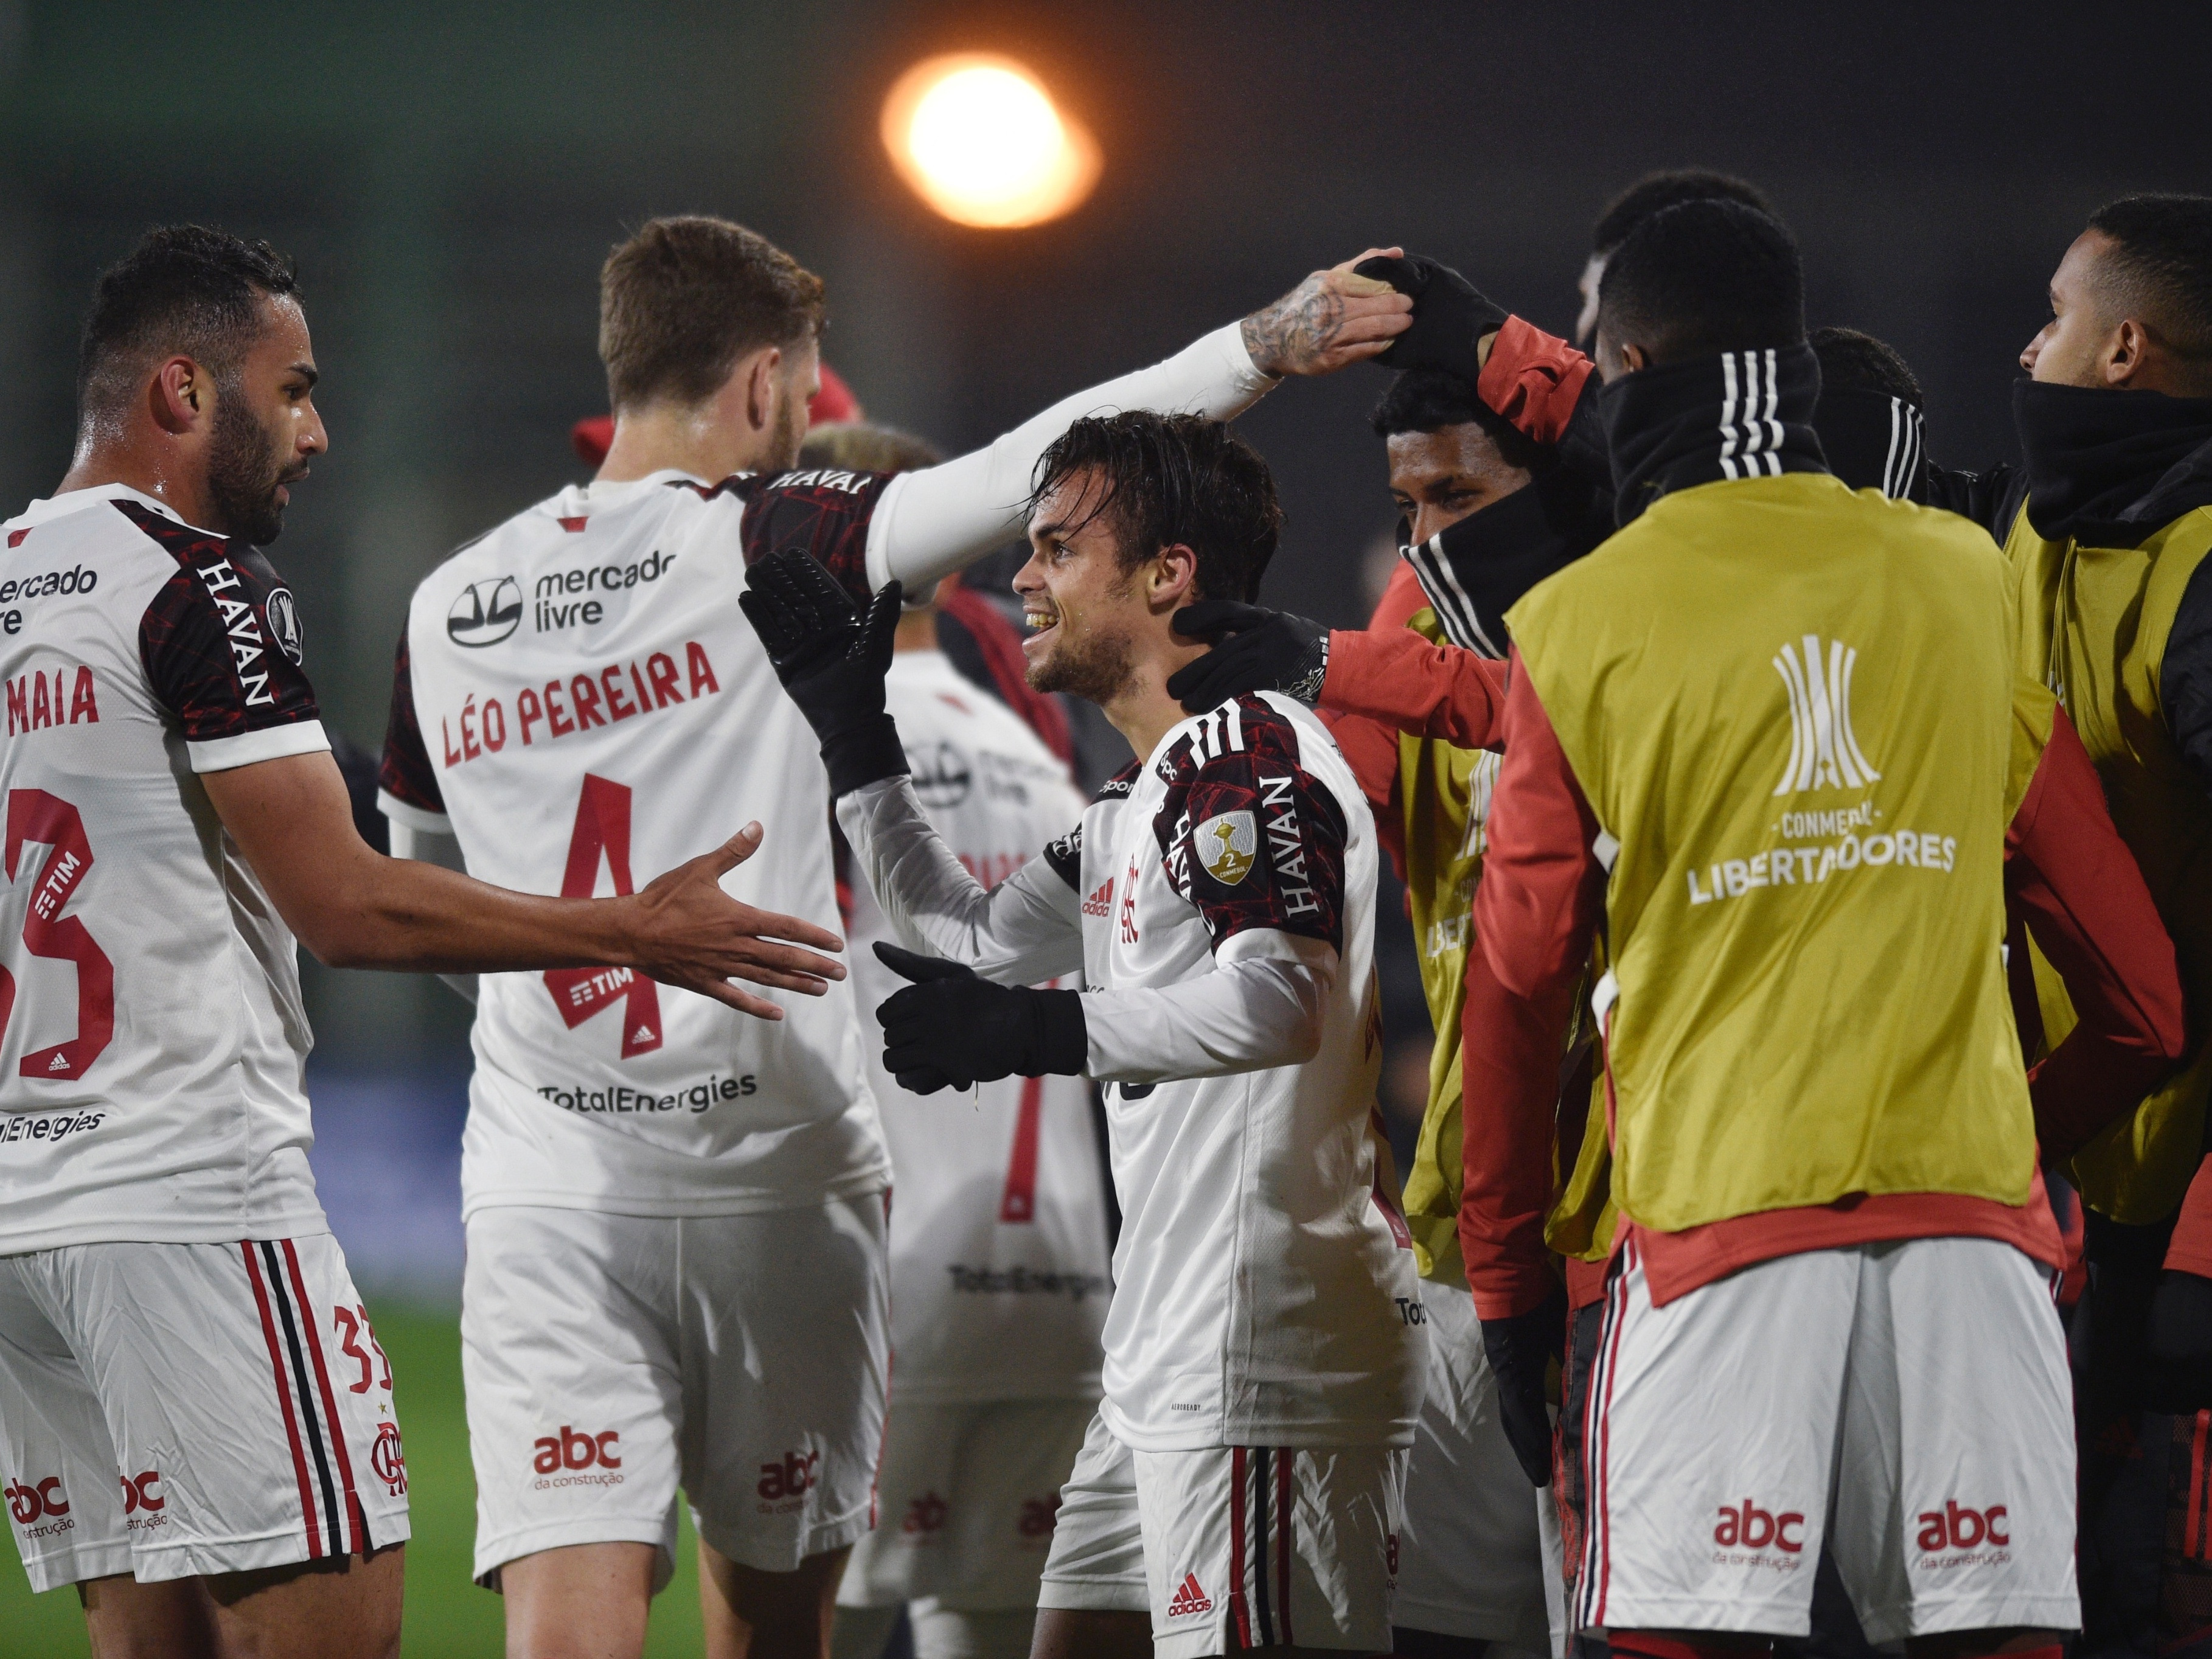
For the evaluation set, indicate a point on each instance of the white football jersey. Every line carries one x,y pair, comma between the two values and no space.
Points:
151,1032
999,1270
581,704
1219,901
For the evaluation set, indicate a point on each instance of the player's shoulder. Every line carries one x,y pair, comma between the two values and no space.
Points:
1257,727
49,538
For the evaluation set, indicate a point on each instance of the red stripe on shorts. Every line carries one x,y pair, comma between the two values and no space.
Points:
285,1400
1283,1513
353,1518
1238,1604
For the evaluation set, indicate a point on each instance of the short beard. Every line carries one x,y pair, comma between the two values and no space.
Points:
245,465
791,423
1099,669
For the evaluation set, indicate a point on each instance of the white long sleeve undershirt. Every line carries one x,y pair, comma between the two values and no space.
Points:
930,523
1261,1007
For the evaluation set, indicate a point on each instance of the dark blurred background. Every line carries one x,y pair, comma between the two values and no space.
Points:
450,176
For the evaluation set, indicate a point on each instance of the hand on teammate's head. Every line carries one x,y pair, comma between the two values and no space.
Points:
1450,316
1335,318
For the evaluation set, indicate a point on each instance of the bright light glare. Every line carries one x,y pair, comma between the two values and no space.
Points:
978,138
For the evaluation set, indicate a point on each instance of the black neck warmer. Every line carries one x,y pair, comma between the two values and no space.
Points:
1872,441
1475,571
2108,468
1740,415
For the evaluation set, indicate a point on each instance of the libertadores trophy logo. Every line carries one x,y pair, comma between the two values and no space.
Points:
1824,754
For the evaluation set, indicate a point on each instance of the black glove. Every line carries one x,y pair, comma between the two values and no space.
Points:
1450,317
1266,651
832,659
1520,1350
952,1029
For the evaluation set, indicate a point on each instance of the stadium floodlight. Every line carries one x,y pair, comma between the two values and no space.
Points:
979,139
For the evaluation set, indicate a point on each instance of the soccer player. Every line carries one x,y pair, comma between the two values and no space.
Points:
196,1423
998,1269
651,1189
1653,192
1239,1488
1828,1316
2108,521
1477,534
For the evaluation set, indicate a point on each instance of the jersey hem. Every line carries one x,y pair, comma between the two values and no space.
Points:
1295,1437
419,819
247,748
865,1186
231,1230
916,1393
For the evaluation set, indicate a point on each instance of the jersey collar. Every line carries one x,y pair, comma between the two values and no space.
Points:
49,507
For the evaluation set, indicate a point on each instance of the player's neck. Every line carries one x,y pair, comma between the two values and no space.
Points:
147,469
1143,713
703,442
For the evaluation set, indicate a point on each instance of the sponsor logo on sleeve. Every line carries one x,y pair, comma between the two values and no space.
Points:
284,614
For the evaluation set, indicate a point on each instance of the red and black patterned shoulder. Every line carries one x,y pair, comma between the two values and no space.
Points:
406,774
221,640
1247,725
822,511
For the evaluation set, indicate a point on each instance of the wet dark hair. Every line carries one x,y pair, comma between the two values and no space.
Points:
185,289
1702,277
1852,361
1161,479
1431,399
1656,192
2162,266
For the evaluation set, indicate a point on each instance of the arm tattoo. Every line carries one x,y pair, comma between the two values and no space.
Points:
1296,329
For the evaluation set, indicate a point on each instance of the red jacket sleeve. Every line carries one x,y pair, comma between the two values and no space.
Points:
2085,902
1398,679
1534,380
1536,910
2190,1251
1370,746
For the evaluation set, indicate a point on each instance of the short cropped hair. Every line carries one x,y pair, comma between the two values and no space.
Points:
187,290
2160,269
1431,399
1165,479
685,298
1656,192
862,447
1704,276
1852,361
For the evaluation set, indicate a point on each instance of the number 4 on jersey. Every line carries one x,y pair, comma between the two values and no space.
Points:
603,830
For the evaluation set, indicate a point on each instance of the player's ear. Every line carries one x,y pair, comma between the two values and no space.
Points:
1174,576
761,371
180,396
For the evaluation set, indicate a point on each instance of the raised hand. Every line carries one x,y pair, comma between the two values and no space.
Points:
1451,316
1259,650
832,659
1333,318
686,931
952,1029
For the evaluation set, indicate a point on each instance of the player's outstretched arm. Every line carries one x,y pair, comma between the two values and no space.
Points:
354,908
930,523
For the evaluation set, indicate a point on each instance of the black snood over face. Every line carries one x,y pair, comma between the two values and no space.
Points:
2108,467
1739,415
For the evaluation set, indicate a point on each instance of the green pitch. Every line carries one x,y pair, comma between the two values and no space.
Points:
446,1614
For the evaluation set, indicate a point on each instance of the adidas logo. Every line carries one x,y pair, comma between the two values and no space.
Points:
1189,1599
60,1063
645,1034
1101,902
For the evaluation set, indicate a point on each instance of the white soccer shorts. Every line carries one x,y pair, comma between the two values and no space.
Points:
1908,1402
967,1496
1470,1555
610,1359
173,1410
1239,1546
